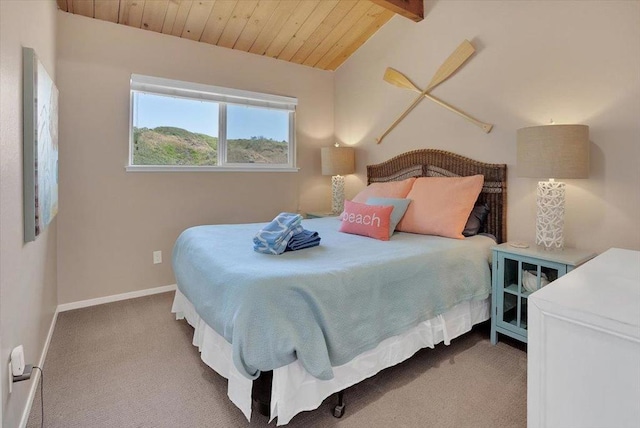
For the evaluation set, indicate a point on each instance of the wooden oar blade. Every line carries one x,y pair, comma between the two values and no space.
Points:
398,79
455,60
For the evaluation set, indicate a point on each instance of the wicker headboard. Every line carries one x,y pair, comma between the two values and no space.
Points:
430,162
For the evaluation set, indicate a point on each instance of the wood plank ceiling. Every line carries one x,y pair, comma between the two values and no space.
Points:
316,33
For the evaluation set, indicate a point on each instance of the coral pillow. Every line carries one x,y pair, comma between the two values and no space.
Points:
366,220
441,205
392,189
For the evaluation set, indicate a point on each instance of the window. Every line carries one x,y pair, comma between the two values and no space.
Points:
181,126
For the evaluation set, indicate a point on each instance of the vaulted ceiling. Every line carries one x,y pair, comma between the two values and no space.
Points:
317,33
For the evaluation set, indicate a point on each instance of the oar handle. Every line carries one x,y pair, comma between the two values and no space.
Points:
486,127
402,116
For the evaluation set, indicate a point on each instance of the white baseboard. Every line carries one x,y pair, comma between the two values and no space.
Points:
115,298
36,376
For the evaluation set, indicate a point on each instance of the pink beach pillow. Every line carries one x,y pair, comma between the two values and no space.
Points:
366,220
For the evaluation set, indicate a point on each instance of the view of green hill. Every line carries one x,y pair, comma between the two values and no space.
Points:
166,145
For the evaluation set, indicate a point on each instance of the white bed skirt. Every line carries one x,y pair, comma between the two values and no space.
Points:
293,389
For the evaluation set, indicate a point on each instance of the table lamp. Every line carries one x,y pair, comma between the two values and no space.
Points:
558,151
337,161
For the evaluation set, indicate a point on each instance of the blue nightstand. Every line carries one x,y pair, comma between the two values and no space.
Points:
519,272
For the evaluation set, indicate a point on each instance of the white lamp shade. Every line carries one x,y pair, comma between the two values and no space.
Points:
553,151
338,160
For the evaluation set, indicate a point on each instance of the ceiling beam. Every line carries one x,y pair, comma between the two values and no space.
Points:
412,9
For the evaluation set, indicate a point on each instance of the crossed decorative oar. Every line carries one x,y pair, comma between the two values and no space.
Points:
454,62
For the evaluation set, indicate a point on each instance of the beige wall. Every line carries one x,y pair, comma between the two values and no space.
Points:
27,271
111,221
574,62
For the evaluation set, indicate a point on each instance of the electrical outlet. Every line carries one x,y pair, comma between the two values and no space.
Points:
157,257
17,360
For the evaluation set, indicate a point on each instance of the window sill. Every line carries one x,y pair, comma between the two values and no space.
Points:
181,168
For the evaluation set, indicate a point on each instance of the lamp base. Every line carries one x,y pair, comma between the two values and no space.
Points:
337,194
550,214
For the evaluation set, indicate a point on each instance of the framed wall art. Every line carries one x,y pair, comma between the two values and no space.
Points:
40,144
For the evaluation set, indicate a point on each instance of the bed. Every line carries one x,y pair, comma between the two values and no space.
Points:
307,324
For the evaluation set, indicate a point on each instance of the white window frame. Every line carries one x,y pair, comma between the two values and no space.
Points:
222,96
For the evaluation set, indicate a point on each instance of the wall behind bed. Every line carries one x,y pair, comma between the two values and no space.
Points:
110,221
574,62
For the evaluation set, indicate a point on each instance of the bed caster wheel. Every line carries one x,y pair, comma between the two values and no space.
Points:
338,411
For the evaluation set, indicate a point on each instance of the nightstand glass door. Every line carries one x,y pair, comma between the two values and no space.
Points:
520,277
517,273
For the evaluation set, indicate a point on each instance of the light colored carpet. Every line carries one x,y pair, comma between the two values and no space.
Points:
131,364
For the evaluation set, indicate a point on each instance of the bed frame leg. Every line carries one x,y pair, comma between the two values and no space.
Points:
338,410
261,393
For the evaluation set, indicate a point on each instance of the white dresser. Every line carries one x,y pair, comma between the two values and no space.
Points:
584,346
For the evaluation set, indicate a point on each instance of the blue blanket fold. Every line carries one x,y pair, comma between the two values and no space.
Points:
274,237
302,240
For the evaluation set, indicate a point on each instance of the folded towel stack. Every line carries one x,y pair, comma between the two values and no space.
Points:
304,239
275,236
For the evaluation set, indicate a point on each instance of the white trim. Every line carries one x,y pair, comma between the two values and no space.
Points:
292,139
222,135
115,298
132,110
193,168
159,85
36,377
222,96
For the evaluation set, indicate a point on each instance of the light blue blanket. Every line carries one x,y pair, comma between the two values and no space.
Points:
274,237
327,304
